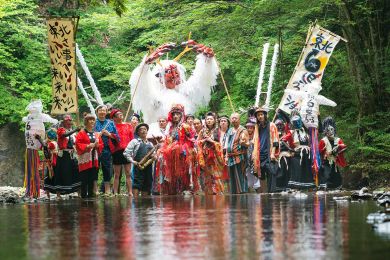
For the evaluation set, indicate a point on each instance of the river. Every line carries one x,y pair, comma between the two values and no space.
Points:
175,227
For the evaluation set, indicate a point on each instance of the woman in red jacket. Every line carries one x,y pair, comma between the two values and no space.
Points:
89,145
125,132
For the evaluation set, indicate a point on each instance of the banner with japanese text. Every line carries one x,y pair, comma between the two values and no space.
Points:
310,68
62,48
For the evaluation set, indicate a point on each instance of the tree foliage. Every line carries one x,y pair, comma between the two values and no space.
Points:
357,76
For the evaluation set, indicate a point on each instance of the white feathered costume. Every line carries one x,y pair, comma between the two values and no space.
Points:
154,99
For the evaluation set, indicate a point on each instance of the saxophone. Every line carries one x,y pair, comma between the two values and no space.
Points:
148,159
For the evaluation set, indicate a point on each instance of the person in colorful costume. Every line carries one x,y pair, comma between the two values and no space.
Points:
301,172
284,158
266,150
126,134
178,171
109,133
50,151
34,126
236,144
89,145
67,176
134,153
332,154
253,180
210,156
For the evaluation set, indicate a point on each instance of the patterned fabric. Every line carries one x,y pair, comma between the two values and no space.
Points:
31,176
87,157
235,152
211,161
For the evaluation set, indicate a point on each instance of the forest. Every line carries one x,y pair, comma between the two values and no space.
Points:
115,35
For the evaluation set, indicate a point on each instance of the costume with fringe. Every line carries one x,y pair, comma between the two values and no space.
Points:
155,99
211,160
34,127
178,170
301,174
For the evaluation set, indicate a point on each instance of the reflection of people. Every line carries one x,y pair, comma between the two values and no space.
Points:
210,156
136,152
89,145
108,131
236,144
332,154
67,175
125,132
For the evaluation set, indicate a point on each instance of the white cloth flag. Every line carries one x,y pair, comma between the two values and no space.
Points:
311,67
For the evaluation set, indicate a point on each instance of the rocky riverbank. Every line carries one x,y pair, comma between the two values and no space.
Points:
13,195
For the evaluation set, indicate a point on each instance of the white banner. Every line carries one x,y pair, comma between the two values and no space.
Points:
310,68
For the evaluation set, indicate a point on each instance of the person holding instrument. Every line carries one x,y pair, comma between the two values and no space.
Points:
141,153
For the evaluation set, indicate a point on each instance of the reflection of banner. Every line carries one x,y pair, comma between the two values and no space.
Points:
61,37
310,68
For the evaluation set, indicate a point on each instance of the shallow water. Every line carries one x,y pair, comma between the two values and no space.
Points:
213,227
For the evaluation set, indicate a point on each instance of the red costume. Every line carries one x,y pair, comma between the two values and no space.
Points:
178,171
126,134
87,157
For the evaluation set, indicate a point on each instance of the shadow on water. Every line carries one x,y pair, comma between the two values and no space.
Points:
213,227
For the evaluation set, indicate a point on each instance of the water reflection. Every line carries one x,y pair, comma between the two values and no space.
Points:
213,227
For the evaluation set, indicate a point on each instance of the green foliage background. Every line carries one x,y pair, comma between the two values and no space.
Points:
357,76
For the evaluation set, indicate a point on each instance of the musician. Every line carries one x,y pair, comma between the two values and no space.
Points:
138,150
108,131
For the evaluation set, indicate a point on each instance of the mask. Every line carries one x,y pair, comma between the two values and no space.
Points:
296,122
171,76
329,131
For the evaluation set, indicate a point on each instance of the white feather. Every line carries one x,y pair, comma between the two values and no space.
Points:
153,99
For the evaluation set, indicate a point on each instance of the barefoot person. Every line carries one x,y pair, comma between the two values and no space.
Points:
125,132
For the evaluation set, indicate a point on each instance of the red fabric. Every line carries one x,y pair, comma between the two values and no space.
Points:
179,156
126,134
52,147
82,141
340,160
62,140
288,138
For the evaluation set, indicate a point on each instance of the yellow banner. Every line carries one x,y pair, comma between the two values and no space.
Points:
62,48
311,66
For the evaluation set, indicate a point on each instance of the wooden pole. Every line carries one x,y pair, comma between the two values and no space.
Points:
224,84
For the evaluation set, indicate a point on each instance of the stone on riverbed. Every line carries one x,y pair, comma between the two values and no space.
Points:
11,194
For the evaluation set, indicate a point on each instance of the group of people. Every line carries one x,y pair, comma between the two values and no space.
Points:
188,155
